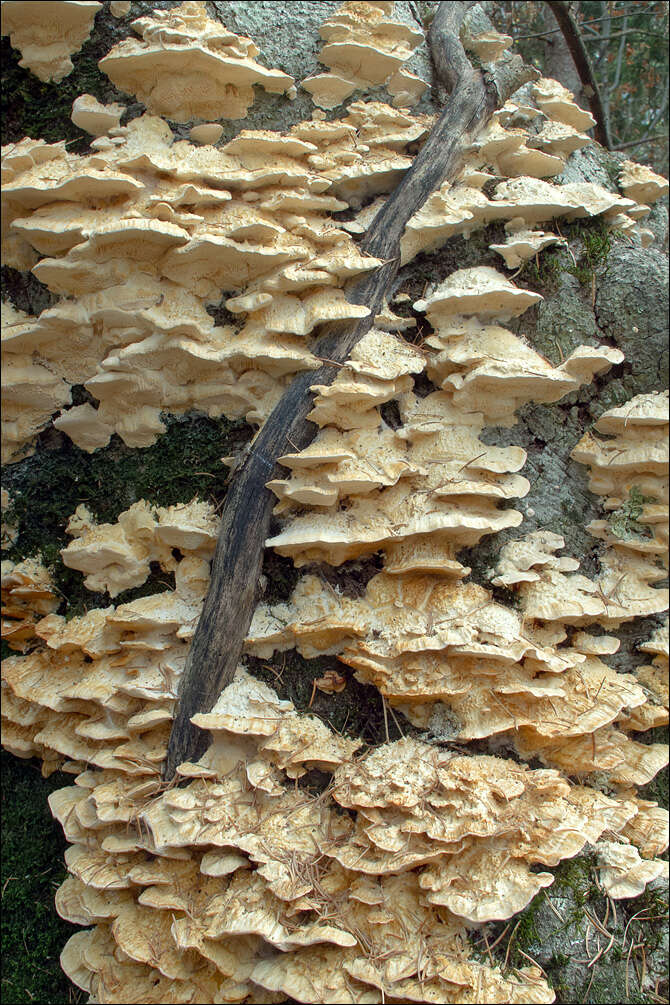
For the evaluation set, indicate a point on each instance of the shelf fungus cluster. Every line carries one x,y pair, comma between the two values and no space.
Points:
48,33
239,883
526,144
188,66
443,651
142,235
427,489
365,46
100,686
28,594
240,886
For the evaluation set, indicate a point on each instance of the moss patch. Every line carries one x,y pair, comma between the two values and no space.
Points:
657,788
589,241
596,240
47,487
33,846
624,522
557,932
41,110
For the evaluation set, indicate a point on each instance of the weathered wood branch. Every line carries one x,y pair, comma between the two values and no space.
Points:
229,605
582,60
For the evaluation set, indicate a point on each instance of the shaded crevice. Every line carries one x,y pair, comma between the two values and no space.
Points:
457,252
351,578
78,600
82,396
423,385
279,577
221,316
315,781
25,292
390,413
357,711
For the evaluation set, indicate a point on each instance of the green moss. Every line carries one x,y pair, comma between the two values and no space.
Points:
543,271
557,937
624,522
601,989
577,876
526,932
573,876
47,487
33,846
590,242
41,110
597,243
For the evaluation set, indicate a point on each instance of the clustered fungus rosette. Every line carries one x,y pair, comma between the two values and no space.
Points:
238,883
118,557
142,235
111,674
240,886
27,593
365,46
187,66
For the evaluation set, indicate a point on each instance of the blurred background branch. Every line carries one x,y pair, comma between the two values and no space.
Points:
628,49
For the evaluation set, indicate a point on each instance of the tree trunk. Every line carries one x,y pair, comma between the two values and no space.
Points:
625,305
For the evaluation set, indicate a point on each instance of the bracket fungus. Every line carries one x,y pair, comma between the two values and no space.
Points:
207,134
240,883
247,217
117,557
559,104
32,392
366,46
188,66
48,33
640,183
93,117
27,594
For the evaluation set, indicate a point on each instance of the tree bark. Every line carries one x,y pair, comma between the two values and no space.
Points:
229,605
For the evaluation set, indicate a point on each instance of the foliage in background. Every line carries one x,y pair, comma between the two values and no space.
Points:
628,46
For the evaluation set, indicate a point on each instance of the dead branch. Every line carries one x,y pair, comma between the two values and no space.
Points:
573,36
